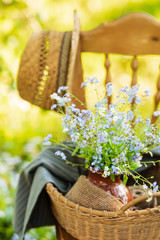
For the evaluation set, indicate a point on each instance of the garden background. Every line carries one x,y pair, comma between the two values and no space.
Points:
22,125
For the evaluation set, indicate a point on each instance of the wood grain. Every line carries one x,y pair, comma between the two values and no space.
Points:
134,33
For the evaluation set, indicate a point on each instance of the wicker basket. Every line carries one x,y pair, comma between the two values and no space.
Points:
89,224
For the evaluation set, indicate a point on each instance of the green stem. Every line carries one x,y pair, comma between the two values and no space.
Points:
78,100
137,182
151,162
142,178
75,164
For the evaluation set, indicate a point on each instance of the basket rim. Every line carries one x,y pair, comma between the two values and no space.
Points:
55,195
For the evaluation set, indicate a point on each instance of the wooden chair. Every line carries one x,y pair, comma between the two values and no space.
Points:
133,34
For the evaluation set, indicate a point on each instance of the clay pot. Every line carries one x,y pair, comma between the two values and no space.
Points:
116,188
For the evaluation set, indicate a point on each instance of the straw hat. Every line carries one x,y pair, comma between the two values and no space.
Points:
50,60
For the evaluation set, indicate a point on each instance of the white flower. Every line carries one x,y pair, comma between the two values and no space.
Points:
54,96
102,111
150,193
144,186
115,118
149,199
106,172
106,168
66,129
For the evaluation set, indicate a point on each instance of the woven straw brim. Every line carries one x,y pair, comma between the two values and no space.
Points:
89,224
43,67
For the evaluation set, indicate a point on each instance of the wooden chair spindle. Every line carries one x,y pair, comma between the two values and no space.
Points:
108,77
134,66
157,98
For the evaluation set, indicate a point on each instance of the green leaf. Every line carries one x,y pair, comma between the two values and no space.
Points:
87,165
75,150
112,177
135,165
151,154
125,178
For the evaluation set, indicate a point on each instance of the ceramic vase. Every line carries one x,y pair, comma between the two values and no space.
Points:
116,188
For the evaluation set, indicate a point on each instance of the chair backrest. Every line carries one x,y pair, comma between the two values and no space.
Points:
133,34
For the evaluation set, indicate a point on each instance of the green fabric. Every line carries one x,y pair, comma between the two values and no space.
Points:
32,205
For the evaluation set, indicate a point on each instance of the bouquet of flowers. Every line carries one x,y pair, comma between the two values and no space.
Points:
112,137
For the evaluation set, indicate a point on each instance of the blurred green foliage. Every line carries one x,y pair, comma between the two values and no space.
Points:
23,126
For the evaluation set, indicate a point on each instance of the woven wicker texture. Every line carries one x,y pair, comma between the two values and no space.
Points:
87,224
62,234
43,67
64,59
88,195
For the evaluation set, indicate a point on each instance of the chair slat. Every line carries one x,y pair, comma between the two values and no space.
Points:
134,33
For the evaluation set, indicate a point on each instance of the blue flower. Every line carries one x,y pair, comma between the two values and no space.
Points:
67,95
147,93
123,90
148,121
59,153
155,187
47,143
130,99
109,89
60,89
114,160
154,184
84,84
137,99
53,106
97,168
156,113
134,89
130,115
93,80
138,120
158,140
95,157
99,150
47,137
115,170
